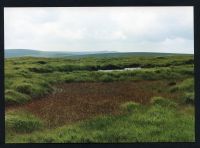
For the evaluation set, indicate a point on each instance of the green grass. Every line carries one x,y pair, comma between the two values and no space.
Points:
14,97
186,85
22,122
188,98
163,120
163,102
187,88
138,123
130,106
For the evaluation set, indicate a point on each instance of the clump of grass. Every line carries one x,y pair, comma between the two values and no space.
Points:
69,78
33,89
186,85
188,98
43,69
106,78
163,102
13,97
130,106
22,122
25,88
187,88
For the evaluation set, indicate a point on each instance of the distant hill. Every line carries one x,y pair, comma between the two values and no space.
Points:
9,53
36,53
33,53
124,54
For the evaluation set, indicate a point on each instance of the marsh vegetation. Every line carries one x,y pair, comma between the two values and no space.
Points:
73,100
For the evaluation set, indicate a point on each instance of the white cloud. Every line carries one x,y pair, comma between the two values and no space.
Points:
157,29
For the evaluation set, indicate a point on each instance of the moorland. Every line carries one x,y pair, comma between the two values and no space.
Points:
68,100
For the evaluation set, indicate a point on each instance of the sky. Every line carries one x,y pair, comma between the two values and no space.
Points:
122,29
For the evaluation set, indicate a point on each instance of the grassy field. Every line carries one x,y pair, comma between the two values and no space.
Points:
68,100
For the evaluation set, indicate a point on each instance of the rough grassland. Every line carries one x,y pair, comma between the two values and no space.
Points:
69,100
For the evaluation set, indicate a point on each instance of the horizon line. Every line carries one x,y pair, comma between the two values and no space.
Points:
96,51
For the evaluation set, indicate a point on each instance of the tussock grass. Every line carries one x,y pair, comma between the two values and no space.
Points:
187,88
186,85
163,102
130,106
188,98
22,122
14,97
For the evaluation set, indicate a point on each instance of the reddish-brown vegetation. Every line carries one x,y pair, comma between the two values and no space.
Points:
77,101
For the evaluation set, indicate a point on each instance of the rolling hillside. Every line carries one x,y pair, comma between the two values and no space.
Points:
9,53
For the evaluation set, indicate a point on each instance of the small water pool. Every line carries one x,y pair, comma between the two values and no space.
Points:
125,69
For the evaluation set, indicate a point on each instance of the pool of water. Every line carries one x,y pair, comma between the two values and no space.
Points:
125,69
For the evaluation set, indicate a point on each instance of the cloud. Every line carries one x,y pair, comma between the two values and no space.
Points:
157,29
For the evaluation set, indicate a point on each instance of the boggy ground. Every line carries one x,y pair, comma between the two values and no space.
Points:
71,102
